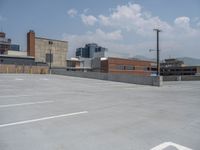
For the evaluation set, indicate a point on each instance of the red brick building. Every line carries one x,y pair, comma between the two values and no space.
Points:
128,66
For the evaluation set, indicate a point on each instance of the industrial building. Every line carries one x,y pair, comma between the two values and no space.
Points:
40,55
91,50
50,51
113,65
127,66
174,67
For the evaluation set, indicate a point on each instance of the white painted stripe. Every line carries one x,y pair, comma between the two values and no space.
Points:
167,144
44,79
5,96
23,104
19,79
42,119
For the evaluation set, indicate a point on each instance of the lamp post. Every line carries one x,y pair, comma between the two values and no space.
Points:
158,55
50,43
157,50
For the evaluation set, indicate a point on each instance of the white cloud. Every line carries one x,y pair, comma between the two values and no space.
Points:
136,26
99,36
131,18
72,12
183,22
182,28
88,20
115,35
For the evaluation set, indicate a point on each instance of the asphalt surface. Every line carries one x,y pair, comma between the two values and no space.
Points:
50,112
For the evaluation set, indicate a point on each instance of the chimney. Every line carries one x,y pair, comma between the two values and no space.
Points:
31,43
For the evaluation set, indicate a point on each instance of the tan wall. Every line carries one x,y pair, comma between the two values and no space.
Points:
58,49
23,69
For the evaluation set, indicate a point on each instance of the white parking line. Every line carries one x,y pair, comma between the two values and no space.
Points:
19,79
46,79
23,104
42,119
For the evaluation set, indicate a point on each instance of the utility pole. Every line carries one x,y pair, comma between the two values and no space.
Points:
158,55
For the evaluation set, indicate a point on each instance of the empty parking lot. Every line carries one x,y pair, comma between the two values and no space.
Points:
50,112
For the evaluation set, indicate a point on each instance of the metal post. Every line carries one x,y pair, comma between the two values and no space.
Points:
158,55
50,43
50,62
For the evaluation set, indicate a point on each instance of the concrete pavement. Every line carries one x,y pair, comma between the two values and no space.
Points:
51,112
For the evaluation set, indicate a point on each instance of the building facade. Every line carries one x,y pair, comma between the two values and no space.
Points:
4,43
127,66
52,52
175,67
91,50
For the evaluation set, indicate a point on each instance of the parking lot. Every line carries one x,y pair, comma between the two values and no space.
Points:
51,112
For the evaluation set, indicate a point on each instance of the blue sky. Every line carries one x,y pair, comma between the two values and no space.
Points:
123,26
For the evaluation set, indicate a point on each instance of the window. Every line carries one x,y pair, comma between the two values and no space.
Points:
49,58
119,67
129,67
125,67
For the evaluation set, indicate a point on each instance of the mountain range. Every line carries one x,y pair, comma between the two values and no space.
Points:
189,61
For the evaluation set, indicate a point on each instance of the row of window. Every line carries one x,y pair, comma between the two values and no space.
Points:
130,67
122,67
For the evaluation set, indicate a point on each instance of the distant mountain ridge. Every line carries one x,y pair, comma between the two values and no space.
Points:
189,61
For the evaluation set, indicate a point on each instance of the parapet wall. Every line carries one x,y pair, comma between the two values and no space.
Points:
181,78
143,80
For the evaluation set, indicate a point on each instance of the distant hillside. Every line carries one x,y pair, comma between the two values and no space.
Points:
190,61
140,57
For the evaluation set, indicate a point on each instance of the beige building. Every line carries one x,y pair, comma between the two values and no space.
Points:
53,52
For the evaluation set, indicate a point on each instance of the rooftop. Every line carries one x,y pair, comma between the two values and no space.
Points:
48,112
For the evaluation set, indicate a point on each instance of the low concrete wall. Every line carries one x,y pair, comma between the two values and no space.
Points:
181,78
143,80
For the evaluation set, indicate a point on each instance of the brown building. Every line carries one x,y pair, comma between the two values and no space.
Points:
52,52
127,66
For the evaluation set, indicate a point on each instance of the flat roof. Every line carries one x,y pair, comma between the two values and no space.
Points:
60,112
131,59
12,56
51,39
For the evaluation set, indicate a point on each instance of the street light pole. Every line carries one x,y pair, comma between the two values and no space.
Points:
158,55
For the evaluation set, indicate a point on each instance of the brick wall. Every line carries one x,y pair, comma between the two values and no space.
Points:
126,66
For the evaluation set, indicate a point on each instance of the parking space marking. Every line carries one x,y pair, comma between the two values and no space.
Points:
19,79
23,104
42,119
45,79
168,144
